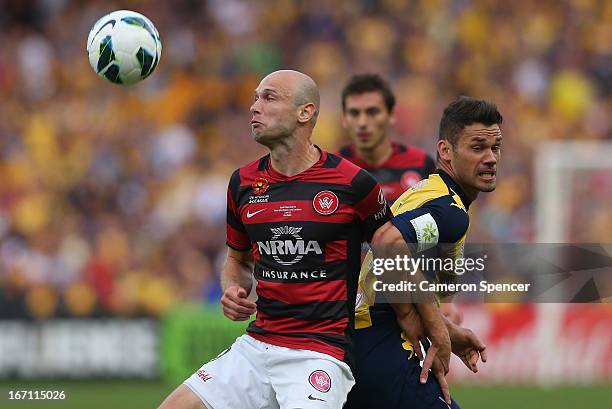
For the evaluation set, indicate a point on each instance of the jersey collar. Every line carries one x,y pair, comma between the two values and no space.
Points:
276,175
453,186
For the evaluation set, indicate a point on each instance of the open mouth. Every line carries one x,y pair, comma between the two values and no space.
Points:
487,175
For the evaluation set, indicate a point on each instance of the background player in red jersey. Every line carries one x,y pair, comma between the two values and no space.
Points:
368,114
296,219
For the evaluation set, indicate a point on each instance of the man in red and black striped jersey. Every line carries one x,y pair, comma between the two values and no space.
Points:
296,219
368,114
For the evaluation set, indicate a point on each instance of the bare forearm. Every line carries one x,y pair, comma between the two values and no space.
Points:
237,272
432,319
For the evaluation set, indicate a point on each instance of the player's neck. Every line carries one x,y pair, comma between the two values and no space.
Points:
379,154
469,191
293,156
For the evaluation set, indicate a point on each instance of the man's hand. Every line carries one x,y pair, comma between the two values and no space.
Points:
438,354
439,368
437,334
451,312
236,306
434,338
410,322
466,345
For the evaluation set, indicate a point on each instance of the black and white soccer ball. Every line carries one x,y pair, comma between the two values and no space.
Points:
124,47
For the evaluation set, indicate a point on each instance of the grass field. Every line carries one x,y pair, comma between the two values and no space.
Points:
130,394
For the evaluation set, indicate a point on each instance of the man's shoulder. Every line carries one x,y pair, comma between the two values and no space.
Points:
431,201
409,155
428,191
248,174
347,152
344,167
253,168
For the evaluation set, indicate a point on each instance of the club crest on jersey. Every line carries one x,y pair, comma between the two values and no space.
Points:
260,185
288,250
409,179
320,380
325,202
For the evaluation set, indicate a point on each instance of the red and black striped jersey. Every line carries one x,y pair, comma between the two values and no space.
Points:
305,233
405,167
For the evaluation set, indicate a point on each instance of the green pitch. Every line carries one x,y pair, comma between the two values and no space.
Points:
145,395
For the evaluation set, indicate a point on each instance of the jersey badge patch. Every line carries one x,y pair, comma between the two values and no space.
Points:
426,230
260,185
325,202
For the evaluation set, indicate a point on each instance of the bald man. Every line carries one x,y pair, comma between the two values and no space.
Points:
296,219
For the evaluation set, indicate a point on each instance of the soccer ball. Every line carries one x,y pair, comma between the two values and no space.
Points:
124,47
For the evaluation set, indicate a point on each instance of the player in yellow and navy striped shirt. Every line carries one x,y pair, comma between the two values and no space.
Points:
432,213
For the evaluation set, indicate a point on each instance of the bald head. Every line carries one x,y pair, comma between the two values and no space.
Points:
297,85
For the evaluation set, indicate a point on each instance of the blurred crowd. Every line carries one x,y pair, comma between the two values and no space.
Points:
112,199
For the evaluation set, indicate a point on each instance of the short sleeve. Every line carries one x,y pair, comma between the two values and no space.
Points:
438,221
371,206
237,237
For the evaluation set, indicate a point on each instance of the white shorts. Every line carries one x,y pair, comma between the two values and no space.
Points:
255,375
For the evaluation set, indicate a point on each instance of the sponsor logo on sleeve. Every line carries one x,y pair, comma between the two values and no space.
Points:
426,230
382,201
381,197
381,213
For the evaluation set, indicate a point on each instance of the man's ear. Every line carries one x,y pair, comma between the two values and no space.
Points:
444,150
306,112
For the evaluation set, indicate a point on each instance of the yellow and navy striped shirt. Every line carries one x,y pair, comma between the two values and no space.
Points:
432,212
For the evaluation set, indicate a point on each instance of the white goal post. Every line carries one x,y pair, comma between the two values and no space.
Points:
555,164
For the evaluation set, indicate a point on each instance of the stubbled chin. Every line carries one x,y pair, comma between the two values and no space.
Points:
488,187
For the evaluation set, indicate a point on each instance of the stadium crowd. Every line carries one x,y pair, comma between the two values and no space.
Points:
112,199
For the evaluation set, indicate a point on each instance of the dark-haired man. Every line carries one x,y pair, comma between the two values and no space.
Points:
432,213
368,105
367,116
